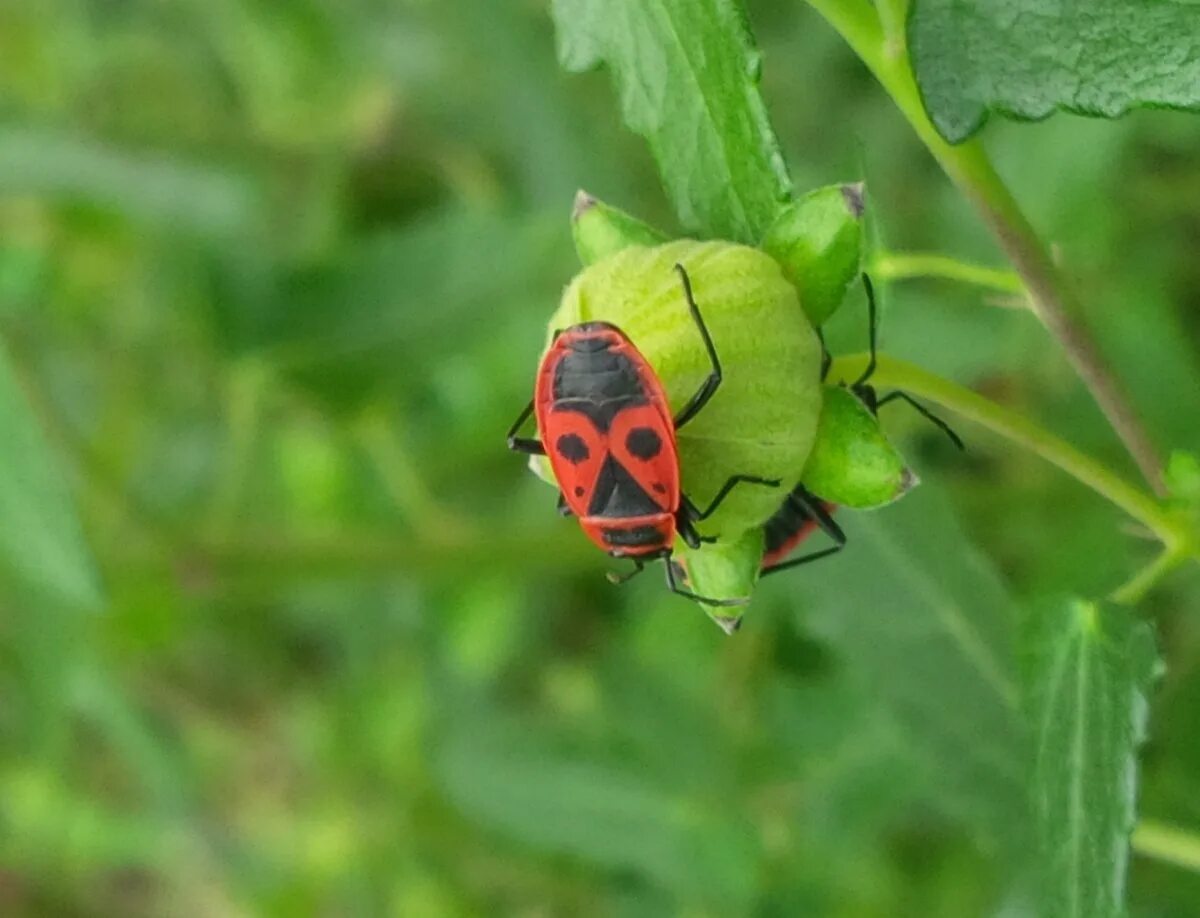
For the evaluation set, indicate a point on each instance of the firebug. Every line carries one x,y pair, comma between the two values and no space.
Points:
605,425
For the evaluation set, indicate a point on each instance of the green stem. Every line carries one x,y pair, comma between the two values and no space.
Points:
1167,843
267,556
893,16
1133,590
968,166
891,373
401,478
906,265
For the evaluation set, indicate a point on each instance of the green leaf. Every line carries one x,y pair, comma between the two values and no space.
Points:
512,777
403,299
1086,671
41,544
928,627
1027,58
687,73
142,186
48,823
817,240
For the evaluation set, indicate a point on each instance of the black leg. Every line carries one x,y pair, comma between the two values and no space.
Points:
808,504
803,559
868,396
683,522
688,594
561,505
638,567
713,382
872,328
925,412
802,500
696,515
524,444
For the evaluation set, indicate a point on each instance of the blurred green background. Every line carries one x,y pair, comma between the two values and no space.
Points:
273,277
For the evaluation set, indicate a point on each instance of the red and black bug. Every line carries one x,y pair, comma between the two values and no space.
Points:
801,512
607,429
797,518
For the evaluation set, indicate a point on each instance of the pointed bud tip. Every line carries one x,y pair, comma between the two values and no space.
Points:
854,197
908,480
728,625
583,203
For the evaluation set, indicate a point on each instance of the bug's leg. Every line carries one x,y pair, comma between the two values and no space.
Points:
818,512
696,515
530,445
872,331
678,571
638,567
713,382
683,522
803,559
868,396
805,502
675,588
924,412
867,393
561,505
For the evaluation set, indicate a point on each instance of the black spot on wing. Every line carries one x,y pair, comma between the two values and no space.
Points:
644,443
572,448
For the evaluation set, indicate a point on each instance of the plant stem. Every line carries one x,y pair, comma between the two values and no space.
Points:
1134,589
905,265
267,556
399,475
1167,843
891,373
969,167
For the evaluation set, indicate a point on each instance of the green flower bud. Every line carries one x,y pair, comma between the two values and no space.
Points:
600,230
852,463
763,419
727,569
817,241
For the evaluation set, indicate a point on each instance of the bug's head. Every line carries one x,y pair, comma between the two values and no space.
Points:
591,337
